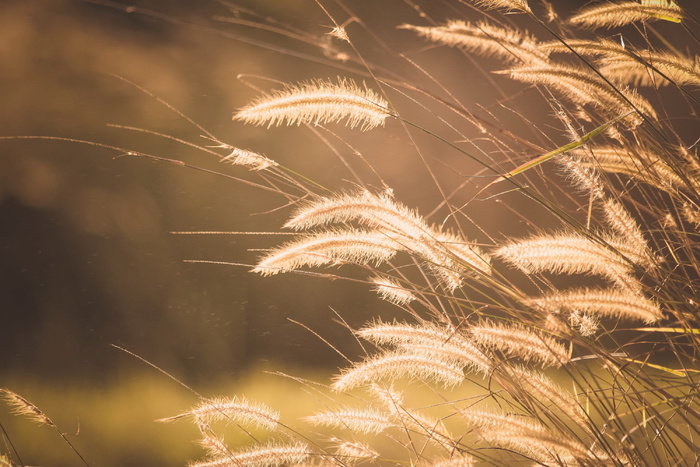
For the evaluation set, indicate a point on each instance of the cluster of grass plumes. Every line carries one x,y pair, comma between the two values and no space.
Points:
603,373
580,339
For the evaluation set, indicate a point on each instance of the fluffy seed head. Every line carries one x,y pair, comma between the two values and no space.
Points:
270,455
331,247
614,14
356,420
485,38
21,406
398,365
316,103
250,159
520,342
235,410
613,303
392,291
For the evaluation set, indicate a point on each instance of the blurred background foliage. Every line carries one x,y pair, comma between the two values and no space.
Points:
87,257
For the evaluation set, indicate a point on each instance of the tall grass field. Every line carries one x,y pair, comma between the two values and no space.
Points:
534,256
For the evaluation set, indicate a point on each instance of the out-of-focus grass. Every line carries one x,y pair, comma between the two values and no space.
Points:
115,425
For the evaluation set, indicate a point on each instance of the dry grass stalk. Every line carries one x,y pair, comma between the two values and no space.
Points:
316,103
462,252
434,430
411,419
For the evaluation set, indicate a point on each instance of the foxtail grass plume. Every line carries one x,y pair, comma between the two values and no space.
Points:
392,291
569,254
531,438
21,406
486,39
270,455
215,446
639,163
235,410
612,303
633,66
368,209
614,14
356,420
250,159
625,226
447,255
584,87
583,177
649,68
542,389
518,341
396,365
586,47
457,460
430,340
508,5
351,246
353,452
318,102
